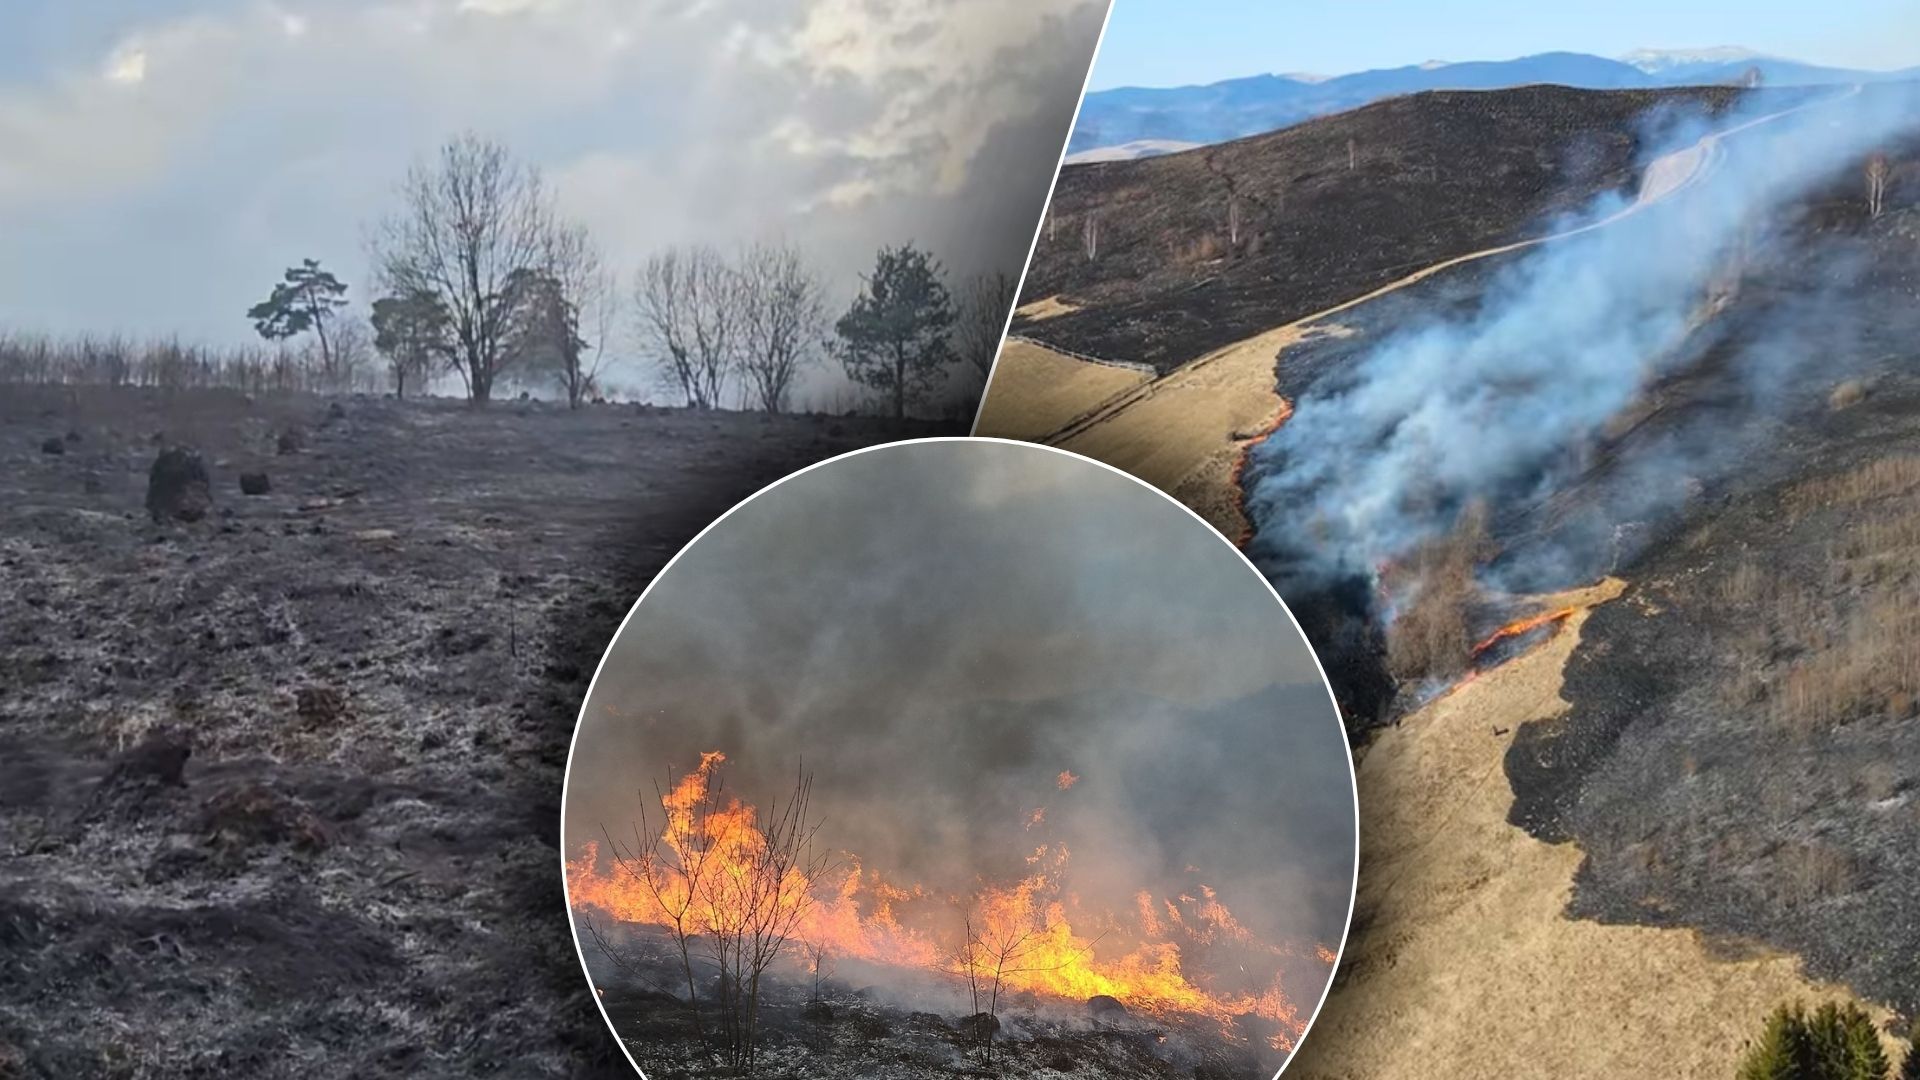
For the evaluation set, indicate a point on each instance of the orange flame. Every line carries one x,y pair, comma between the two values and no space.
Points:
1240,461
1023,932
1066,779
1521,626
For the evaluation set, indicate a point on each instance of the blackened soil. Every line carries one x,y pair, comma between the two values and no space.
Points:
279,790
1704,767
1431,176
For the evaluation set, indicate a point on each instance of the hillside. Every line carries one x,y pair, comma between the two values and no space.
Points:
1649,753
1327,210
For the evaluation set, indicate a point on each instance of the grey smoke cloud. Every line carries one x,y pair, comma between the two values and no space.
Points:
1499,403
939,630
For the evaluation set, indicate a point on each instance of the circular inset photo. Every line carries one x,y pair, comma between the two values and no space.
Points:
959,757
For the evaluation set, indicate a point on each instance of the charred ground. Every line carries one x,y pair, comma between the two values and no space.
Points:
1430,176
283,785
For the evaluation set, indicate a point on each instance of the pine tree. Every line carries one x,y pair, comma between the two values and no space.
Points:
895,336
1784,1051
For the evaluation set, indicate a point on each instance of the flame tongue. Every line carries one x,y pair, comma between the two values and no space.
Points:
1023,932
1522,626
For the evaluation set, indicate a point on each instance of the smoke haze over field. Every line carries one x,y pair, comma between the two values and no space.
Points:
164,161
1506,403
941,630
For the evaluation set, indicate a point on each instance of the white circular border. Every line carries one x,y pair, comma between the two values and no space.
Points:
573,744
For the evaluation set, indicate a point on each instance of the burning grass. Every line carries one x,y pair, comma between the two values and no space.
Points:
726,881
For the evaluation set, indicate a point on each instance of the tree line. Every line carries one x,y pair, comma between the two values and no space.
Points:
477,275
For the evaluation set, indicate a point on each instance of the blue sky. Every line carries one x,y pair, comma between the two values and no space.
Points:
1176,42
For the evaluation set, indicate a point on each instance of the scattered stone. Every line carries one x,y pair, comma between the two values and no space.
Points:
177,487
291,441
53,446
374,535
255,814
73,437
319,705
255,483
980,1026
159,758
335,412
93,484
1104,1007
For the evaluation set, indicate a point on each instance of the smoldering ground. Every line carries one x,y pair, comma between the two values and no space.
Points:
939,630
1517,398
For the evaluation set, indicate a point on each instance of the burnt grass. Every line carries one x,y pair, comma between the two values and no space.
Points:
1432,175
854,1032
279,789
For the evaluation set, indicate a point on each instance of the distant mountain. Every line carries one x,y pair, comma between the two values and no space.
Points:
1237,107
1133,151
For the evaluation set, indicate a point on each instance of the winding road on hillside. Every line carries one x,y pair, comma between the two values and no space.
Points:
1187,432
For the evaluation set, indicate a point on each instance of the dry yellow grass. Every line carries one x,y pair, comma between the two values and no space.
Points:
1184,432
1045,308
1035,391
1466,966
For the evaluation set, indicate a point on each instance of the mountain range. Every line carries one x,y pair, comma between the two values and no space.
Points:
1156,120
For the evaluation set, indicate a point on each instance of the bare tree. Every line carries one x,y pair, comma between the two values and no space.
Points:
753,907
671,861
985,308
1878,169
782,320
689,310
997,944
819,965
468,223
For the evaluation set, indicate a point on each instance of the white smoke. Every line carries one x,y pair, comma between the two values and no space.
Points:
1499,404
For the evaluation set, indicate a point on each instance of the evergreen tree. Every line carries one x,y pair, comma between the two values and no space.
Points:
895,336
414,332
1783,1052
304,300
1834,1042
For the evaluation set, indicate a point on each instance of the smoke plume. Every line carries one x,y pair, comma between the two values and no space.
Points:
1511,403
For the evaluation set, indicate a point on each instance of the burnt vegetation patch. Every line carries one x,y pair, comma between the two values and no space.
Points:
280,784
1167,258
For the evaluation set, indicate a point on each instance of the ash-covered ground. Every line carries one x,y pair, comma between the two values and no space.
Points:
864,1021
279,789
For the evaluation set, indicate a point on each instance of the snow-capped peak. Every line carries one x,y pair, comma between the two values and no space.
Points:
1655,61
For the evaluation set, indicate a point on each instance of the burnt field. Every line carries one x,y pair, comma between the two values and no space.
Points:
279,788
1197,250
1738,756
